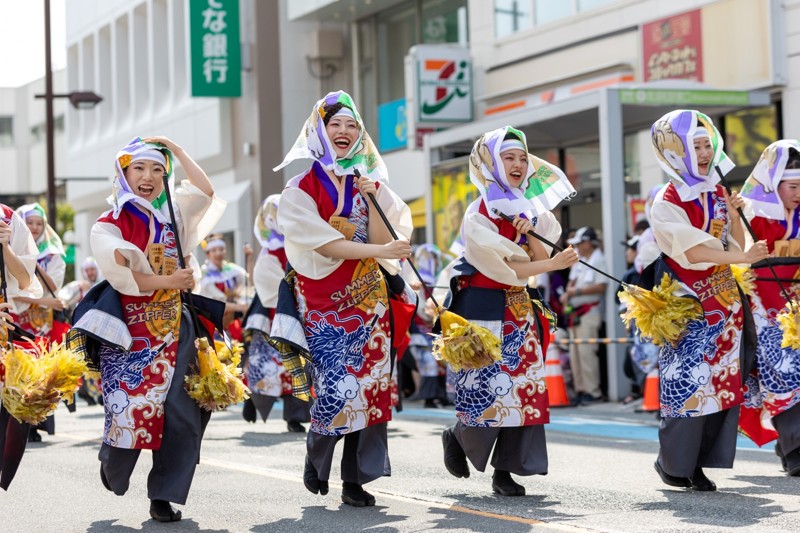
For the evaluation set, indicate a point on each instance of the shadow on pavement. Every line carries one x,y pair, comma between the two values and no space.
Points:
723,508
345,518
253,438
187,524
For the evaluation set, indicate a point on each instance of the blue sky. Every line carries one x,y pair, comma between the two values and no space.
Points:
22,40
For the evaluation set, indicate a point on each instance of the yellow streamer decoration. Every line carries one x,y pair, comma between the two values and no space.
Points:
659,314
217,385
464,345
36,383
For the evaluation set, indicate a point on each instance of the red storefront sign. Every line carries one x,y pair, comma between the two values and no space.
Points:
673,48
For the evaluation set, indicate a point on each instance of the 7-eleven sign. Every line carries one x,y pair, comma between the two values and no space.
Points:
444,84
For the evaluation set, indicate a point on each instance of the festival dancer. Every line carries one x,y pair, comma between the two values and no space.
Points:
504,406
698,227
772,392
44,316
266,376
224,281
72,293
344,273
148,336
19,259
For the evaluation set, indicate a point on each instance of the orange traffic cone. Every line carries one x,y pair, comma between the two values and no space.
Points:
651,402
554,378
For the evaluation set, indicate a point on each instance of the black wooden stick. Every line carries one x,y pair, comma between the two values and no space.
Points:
428,292
560,249
3,284
181,260
753,235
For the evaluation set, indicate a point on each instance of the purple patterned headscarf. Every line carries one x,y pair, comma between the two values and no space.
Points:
673,138
761,188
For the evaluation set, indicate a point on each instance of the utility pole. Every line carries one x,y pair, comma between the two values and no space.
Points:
49,122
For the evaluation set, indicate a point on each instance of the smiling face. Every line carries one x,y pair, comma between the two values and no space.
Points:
216,255
343,132
145,178
515,163
35,225
789,193
704,153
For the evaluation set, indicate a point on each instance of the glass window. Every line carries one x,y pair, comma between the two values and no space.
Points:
6,131
444,21
511,16
383,42
548,11
397,32
586,5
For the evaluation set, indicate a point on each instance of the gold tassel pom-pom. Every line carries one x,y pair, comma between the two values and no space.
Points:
464,345
789,322
217,385
36,383
226,357
659,314
744,277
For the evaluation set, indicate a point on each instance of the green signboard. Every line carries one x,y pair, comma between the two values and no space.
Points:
678,97
216,54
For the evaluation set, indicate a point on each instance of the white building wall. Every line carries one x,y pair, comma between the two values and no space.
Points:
791,95
24,163
136,55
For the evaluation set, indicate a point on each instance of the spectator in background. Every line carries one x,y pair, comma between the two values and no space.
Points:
584,295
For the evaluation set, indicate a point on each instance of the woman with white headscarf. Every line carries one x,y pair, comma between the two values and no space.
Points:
698,228
772,392
19,257
344,266
502,408
146,335
39,315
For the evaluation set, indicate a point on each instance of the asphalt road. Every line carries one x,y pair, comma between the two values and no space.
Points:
601,479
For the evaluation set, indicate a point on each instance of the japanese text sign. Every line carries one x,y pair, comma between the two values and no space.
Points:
216,54
673,48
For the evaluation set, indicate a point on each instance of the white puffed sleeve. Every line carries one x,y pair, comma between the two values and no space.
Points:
267,276
24,247
488,251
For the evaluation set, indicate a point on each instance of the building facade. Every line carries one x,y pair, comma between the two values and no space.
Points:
23,155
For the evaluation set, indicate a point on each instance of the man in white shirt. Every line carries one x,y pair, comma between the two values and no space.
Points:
584,295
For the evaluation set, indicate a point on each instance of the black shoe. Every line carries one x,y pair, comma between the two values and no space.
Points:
455,460
793,463
701,483
311,481
355,495
162,511
430,404
293,426
34,436
588,399
104,479
504,485
249,411
672,481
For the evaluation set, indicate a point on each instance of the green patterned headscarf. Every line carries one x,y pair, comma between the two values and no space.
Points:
313,143
49,243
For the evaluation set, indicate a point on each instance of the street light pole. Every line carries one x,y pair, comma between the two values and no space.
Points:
49,126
